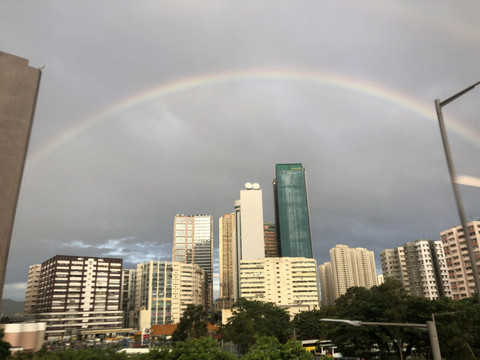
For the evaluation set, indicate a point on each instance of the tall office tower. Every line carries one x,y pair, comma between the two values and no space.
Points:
31,292
421,266
292,218
287,282
270,240
164,289
395,266
249,243
349,267
127,297
226,238
193,244
19,85
458,261
79,293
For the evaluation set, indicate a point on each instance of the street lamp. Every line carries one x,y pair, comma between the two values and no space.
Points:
453,179
428,326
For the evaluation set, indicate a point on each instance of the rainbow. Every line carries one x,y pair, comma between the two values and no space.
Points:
366,88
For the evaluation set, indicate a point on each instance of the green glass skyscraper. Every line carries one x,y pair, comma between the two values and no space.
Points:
292,218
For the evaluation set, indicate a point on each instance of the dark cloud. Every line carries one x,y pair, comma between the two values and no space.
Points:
375,166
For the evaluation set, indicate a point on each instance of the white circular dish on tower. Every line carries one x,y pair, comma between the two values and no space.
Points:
256,186
248,185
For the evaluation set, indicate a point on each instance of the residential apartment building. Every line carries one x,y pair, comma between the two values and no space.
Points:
19,84
193,244
292,217
421,265
226,239
270,240
164,289
457,258
78,293
291,283
395,266
127,297
348,267
31,293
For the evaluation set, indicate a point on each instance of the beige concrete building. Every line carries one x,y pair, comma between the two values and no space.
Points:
31,292
395,266
291,283
457,259
19,84
226,239
420,266
26,337
164,289
348,267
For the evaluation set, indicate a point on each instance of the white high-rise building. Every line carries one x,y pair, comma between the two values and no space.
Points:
458,260
291,283
164,289
249,237
348,267
31,292
420,266
193,244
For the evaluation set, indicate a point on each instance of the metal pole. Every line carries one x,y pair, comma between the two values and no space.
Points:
456,192
432,334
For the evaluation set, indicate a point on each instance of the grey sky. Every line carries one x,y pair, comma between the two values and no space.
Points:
346,88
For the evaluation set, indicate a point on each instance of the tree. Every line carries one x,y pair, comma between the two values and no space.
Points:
192,325
198,349
269,348
4,347
388,302
252,318
307,324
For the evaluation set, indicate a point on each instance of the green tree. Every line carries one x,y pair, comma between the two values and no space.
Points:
307,324
252,318
269,348
192,325
388,302
4,347
198,349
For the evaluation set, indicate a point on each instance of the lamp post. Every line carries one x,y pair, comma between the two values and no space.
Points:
453,179
428,326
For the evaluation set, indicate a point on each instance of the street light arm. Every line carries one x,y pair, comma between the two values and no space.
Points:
451,98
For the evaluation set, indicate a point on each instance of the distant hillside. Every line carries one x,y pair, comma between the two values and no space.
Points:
12,307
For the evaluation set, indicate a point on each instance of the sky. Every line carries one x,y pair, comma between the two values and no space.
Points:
149,109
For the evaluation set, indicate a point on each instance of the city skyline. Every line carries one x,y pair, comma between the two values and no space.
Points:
170,108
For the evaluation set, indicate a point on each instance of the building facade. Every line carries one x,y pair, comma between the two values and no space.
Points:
457,258
270,240
19,84
226,239
127,297
31,293
421,265
78,293
348,267
193,244
395,266
164,289
291,283
292,218
249,243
